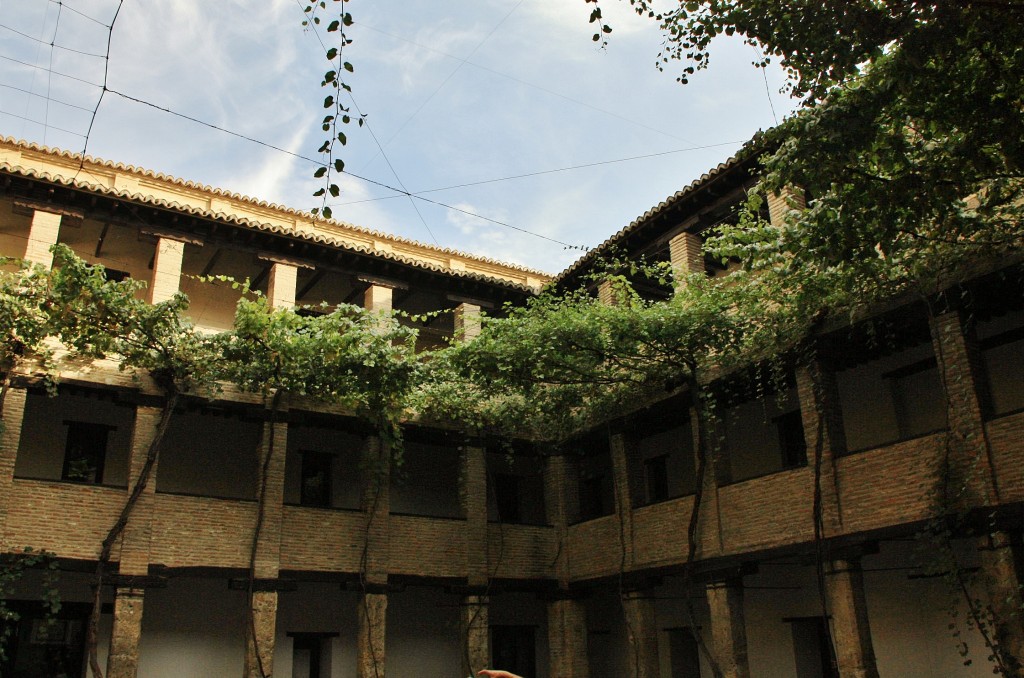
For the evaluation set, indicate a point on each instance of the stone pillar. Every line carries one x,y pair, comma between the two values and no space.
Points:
686,256
782,203
281,285
567,638
375,503
264,623
123,657
10,441
166,270
728,628
822,420
1003,585
642,634
274,443
467,322
476,635
958,356
42,236
371,625
851,633
377,298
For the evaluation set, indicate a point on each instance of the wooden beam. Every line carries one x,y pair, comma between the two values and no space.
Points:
310,284
103,236
211,263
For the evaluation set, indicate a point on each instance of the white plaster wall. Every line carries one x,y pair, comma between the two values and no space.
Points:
752,439
1004,365
524,609
423,635
675,442
868,407
530,472
345,469
427,481
44,435
209,454
318,608
910,619
192,629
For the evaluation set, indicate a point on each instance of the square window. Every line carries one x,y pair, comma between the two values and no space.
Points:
656,473
315,488
85,452
792,444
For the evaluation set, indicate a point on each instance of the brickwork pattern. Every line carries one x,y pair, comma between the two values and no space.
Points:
10,441
567,639
41,237
166,270
473,503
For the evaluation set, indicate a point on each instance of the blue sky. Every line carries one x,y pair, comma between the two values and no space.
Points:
455,92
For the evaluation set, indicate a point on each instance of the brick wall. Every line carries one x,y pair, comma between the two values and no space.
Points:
68,519
1006,438
431,547
769,511
318,539
201,531
521,551
889,485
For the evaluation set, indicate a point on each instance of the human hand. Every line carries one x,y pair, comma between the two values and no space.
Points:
491,673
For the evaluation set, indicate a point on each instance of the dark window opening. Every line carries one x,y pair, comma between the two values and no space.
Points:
311,654
684,653
792,444
656,475
42,646
812,648
114,275
592,497
512,648
507,497
85,452
315,488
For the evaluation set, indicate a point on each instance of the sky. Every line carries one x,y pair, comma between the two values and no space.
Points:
461,97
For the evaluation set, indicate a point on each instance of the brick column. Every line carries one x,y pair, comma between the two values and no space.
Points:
42,235
473,501
281,285
567,638
782,203
851,633
686,256
1003,585
567,615
10,441
123,657
268,552
476,634
719,472
377,298
166,270
372,611
822,420
623,493
956,350
642,634
562,505
467,322
728,628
